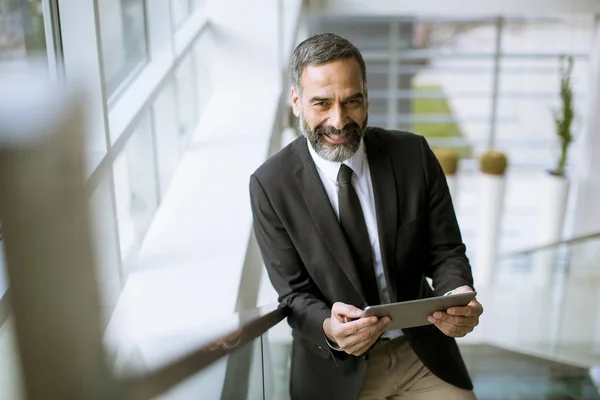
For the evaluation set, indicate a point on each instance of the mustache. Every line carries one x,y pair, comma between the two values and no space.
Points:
350,128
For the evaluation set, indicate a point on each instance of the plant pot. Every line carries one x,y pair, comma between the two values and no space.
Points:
553,205
449,161
492,188
554,194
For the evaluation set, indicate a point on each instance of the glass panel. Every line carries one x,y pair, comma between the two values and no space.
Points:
135,189
579,316
559,287
277,354
237,376
123,35
186,98
11,379
21,30
3,277
180,10
167,134
104,236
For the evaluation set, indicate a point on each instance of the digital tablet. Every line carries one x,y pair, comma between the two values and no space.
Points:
408,314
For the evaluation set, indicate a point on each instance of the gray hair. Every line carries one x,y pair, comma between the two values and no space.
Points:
322,49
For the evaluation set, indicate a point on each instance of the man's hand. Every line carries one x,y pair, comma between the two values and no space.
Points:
458,321
355,337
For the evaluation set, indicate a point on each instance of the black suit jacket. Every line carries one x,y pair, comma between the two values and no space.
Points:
310,264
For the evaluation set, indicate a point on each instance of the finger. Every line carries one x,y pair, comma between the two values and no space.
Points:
452,330
459,321
343,309
474,309
369,333
359,345
351,328
360,348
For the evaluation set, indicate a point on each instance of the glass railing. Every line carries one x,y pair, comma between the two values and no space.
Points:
546,302
245,357
258,369
542,315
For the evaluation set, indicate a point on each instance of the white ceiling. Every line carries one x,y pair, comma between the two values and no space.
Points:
462,8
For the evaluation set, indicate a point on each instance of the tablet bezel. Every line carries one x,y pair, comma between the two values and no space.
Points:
412,313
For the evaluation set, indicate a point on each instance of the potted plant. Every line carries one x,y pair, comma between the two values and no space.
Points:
564,116
555,189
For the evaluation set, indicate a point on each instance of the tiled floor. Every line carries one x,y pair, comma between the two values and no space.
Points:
497,374
500,374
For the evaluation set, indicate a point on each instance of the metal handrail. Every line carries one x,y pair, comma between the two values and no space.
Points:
4,306
574,240
252,325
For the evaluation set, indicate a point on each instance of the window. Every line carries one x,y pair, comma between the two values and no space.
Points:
202,58
186,97
180,10
197,4
123,37
135,188
104,236
166,125
21,30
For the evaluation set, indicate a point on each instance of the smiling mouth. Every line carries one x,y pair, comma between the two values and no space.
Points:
337,139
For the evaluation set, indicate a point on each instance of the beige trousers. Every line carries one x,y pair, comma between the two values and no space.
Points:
395,372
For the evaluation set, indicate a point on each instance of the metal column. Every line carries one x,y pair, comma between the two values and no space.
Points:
50,262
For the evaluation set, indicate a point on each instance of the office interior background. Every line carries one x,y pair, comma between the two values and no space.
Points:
184,99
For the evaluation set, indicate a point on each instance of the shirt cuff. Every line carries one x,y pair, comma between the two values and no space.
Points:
448,292
332,346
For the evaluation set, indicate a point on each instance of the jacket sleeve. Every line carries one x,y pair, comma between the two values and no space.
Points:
290,279
448,265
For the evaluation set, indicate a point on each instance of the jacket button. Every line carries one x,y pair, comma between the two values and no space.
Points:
365,356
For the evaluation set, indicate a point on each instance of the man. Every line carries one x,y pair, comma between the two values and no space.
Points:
348,216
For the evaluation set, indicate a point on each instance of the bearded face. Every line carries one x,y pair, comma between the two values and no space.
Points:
334,144
332,108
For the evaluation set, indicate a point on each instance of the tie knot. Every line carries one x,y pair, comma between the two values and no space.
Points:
345,175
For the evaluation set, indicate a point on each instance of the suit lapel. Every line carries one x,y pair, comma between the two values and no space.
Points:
386,208
323,214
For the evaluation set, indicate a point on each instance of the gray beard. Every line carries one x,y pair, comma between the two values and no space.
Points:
329,151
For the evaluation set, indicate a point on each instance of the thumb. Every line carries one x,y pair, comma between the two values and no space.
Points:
347,310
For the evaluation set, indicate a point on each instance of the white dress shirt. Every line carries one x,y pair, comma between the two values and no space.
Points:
361,181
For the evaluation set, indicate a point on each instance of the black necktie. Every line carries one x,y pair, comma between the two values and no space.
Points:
355,229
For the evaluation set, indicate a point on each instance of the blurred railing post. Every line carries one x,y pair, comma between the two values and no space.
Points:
496,82
50,264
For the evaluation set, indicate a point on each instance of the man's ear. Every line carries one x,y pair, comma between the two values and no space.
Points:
296,102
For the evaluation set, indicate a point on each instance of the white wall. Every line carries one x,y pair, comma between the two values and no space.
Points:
246,44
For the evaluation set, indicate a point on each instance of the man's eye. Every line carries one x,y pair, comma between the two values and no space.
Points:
353,102
320,104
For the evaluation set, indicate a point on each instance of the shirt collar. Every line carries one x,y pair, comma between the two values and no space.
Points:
332,168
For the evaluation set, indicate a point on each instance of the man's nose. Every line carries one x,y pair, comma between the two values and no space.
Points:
337,118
